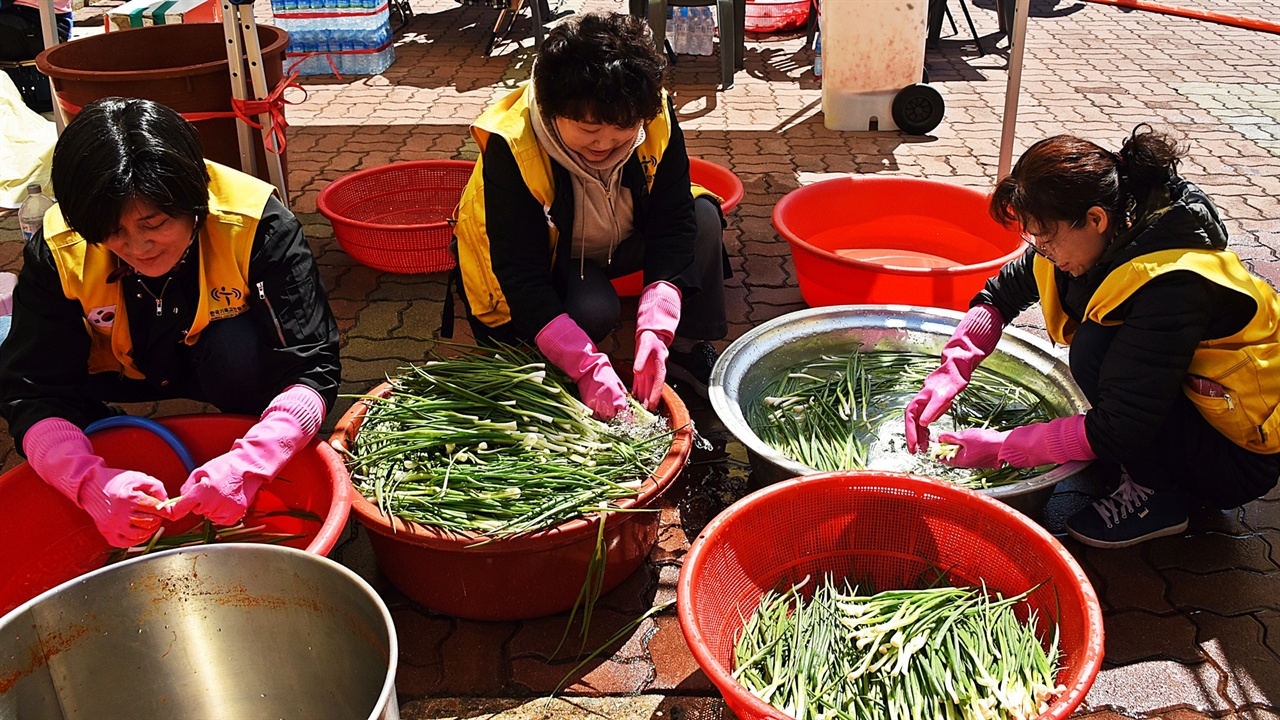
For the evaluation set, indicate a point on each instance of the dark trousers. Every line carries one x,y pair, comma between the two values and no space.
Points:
22,39
223,368
590,299
1187,454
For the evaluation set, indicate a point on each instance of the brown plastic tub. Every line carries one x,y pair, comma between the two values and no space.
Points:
181,66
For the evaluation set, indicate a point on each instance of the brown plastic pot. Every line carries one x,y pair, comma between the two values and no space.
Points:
526,576
181,66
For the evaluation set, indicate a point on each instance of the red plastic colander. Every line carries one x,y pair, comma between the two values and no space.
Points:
396,217
889,527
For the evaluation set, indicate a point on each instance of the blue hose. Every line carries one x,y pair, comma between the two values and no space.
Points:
147,424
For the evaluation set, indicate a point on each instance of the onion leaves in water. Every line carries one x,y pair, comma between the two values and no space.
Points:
846,413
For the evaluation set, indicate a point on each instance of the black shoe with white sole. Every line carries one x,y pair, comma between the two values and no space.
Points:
693,368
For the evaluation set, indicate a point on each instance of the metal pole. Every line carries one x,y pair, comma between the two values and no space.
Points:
249,29
235,62
49,27
1012,88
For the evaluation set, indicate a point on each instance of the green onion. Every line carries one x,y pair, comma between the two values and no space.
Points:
846,413
941,652
491,441
206,533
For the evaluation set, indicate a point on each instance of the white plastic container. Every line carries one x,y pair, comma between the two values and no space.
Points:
871,49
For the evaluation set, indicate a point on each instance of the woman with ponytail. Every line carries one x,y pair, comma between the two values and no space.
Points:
1173,341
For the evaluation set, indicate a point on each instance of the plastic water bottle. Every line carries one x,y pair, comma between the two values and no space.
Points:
31,213
708,33
681,45
817,57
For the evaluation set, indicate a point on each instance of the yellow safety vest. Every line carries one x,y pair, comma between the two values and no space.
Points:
1246,364
509,119
236,202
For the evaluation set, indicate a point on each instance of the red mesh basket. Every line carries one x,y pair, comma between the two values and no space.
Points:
889,527
396,217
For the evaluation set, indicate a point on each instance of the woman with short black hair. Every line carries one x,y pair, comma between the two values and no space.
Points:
583,177
161,275
1173,341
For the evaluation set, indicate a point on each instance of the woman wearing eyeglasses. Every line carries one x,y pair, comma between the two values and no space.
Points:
1173,341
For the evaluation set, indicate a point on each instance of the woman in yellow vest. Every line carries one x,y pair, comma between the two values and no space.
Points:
582,177
1175,344
160,275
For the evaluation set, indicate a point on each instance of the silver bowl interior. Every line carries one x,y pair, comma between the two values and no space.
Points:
217,631
754,360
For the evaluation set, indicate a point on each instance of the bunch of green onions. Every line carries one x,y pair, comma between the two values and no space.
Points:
207,533
490,441
827,413
938,653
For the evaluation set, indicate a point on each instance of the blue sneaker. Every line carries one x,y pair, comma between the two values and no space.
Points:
1132,514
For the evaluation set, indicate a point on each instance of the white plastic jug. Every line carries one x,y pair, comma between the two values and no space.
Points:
871,49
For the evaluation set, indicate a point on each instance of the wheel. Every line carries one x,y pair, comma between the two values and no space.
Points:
917,109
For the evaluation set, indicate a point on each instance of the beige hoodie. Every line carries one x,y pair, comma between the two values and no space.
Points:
603,211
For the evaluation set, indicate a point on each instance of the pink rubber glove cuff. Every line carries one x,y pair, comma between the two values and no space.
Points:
1057,441
567,347
656,321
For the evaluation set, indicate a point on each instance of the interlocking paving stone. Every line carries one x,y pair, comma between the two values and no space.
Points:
1251,671
1136,635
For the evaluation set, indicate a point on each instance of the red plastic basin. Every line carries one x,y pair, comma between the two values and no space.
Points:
526,576
892,240
48,540
886,527
718,179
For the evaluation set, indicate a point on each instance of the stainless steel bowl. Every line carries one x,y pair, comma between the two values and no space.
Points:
754,360
220,631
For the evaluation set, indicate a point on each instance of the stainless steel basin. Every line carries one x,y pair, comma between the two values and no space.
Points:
218,632
754,360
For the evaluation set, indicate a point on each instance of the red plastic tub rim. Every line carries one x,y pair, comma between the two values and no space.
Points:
1060,709
392,526
782,209
322,201
47,61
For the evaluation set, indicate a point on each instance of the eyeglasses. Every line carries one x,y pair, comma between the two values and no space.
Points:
1043,247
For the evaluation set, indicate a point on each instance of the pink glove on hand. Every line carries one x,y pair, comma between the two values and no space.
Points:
567,346
1056,441
124,505
656,320
973,340
223,488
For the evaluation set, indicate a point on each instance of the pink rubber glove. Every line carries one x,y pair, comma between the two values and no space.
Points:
567,346
656,320
124,505
979,448
223,488
1056,441
973,340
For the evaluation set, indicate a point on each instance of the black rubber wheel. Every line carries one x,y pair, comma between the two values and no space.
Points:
917,109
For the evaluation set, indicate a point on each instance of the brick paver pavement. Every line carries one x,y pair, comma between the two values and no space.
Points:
1191,621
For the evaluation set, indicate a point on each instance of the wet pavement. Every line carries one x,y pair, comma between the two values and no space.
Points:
1191,621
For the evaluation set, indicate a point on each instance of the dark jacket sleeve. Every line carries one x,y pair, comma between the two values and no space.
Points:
1143,368
1013,290
667,221
44,361
291,308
